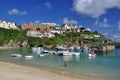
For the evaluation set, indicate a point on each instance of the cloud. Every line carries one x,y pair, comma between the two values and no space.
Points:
106,34
114,35
96,22
23,12
80,26
48,5
37,22
104,23
119,25
13,11
88,29
67,21
16,12
94,8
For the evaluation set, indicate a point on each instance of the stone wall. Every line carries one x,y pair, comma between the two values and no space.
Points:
106,49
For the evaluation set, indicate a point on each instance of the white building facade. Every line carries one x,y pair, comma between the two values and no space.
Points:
40,35
69,27
8,25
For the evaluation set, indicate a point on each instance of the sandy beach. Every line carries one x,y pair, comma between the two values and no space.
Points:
11,71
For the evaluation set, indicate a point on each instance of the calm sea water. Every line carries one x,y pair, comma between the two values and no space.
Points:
107,65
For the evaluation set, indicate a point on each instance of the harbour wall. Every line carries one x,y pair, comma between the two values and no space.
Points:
106,49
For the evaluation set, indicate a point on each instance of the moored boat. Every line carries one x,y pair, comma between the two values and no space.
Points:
42,55
28,57
16,55
92,55
67,53
45,51
37,49
76,53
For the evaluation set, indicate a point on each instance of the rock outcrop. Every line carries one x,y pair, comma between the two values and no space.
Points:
15,43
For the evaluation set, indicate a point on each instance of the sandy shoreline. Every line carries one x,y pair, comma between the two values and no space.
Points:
11,71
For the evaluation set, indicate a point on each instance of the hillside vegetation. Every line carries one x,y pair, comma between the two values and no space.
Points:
20,36
8,34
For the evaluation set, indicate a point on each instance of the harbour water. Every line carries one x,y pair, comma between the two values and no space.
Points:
102,66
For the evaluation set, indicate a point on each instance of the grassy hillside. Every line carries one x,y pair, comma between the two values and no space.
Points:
72,37
6,35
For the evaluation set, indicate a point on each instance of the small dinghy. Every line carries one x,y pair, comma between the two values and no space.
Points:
16,55
92,55
28,57
42,55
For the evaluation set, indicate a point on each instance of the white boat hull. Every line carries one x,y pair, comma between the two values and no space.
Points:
76,53
28,57
68,53
16,55
42,55
92,55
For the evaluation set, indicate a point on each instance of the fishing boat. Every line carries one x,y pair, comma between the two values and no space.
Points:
45,51
37,49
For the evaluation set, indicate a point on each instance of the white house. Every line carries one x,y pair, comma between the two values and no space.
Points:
57,29
47,35
86,36
69,27
8,25
96,36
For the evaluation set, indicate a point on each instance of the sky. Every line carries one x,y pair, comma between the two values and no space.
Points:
98,15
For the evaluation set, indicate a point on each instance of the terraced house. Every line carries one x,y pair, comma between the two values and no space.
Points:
39,30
